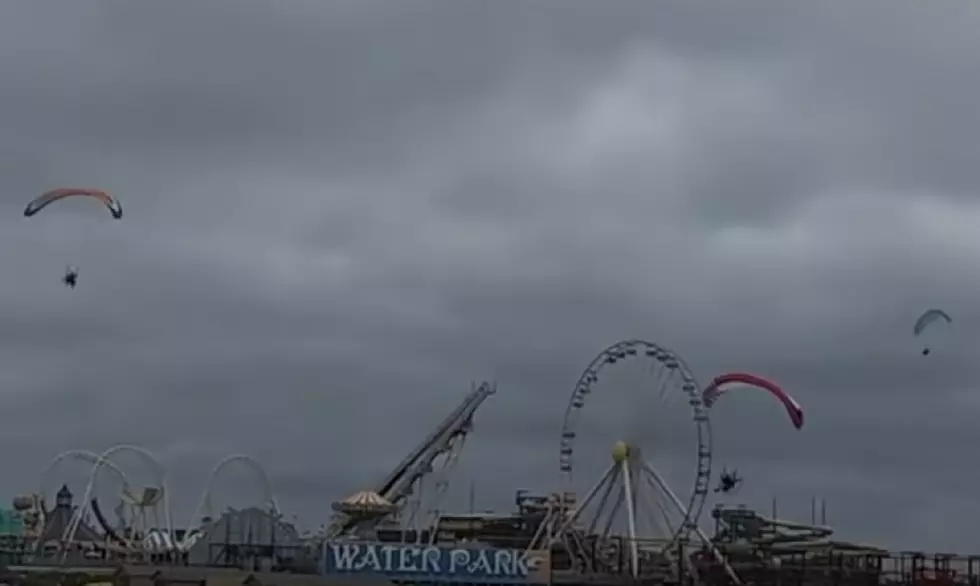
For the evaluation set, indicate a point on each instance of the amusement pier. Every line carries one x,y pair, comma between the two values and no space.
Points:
626,524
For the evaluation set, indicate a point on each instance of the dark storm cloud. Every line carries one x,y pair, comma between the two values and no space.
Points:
339,214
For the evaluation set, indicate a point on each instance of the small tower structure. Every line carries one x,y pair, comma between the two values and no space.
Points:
58,520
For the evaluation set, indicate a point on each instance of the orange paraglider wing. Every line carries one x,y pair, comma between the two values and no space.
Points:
45,199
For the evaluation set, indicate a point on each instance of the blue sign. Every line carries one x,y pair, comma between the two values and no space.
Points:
449,564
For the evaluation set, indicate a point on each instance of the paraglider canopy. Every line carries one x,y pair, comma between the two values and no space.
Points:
929,317
720,386
45,199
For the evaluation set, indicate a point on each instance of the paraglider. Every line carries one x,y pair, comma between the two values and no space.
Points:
49,197
929,317
71,277
728,481
720,386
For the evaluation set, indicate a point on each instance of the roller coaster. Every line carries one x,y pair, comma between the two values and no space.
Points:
143,526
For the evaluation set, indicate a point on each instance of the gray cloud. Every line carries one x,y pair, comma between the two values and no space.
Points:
339,215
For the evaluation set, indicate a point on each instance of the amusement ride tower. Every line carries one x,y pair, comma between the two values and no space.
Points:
419,481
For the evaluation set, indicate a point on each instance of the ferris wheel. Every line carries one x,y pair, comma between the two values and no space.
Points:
632,496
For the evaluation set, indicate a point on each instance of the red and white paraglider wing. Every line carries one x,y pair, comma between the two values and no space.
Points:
721,384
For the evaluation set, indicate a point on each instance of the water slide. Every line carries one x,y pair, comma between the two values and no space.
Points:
744,525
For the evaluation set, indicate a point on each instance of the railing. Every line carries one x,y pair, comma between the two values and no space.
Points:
605,561
842,567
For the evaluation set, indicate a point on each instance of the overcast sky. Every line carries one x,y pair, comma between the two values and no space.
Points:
340,214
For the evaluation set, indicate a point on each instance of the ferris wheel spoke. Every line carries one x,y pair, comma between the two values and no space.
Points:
589,497
611,518
656,515
604,500
664,382
664,517
665,489
662,510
